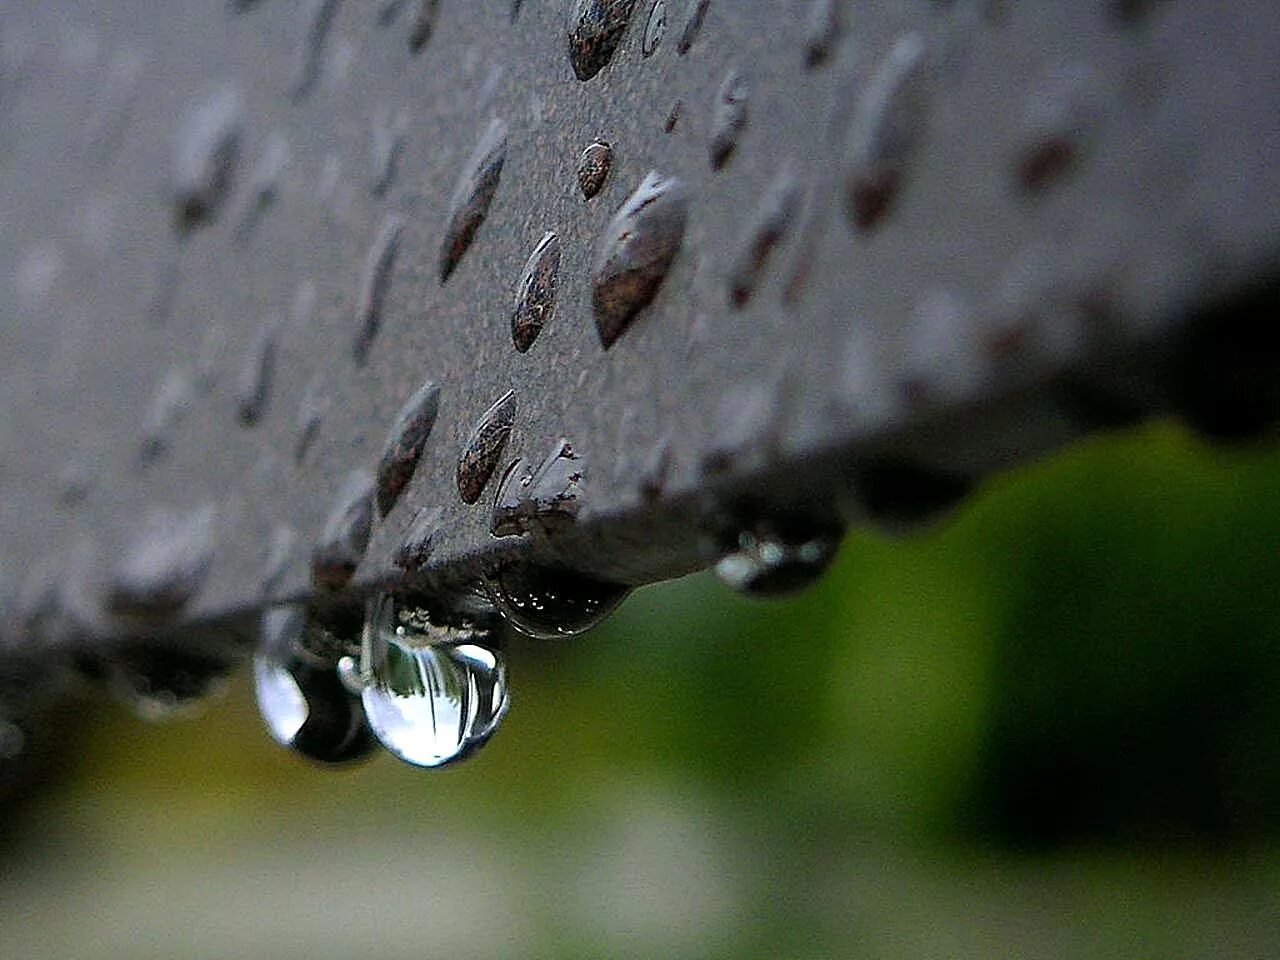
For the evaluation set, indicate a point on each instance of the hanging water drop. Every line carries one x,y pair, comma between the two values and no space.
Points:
550,602
780,555
434,692
304,703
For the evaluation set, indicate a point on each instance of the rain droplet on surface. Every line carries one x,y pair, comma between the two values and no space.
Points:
418,541
694,17
317,19
885,133
768,228
548,496
635,252
257,372
386,144
405,440
654,29
374,282
346,534
776,556
263,188
165,564
596,28
423,23
551,603
433,692
205,157
821,31
728,118
593,167
472,195
536,292
484,448
304,705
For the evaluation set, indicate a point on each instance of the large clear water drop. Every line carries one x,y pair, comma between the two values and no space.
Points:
433,692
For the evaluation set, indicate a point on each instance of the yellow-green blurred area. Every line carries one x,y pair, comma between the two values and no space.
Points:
1049,727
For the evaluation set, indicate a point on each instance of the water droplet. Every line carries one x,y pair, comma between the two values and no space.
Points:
346,534
779,555
673,116
635,252
405,440
434,692
595,30
694,17
374,282
207,151
423,23
157,683
256,374
728,118
310,416
769,227
821,32
536,292
304,704
593,167
884,134
166,563
472,195
549,496
1056,120
550,603
484,448
263,188
654,28
419,540
317,19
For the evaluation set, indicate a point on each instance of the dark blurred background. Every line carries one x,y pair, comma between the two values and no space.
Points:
1048,727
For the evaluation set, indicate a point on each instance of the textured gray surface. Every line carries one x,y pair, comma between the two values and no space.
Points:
924,241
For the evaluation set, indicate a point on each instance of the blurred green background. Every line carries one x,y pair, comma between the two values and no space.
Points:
1049,727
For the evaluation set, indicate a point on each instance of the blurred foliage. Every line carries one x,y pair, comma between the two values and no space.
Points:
1059,707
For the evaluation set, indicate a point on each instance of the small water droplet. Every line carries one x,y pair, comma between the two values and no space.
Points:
593,167
317,19
165,564
434,692
695,16
779,555
596,28
885,132
484,448
419,540
346,534
205,157
822,30
304,704
257,372
536,292
728,118
654,28
472,195
548,496
386,144
374,282
550,603
673,116
157,683
263,188
636,251
768,228
423,23
405,440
